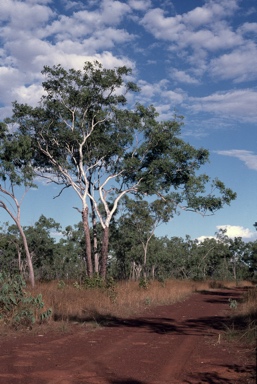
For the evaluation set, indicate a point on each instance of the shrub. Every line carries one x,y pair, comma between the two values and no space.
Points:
17,307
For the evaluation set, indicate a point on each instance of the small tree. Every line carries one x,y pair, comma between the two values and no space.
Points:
15,171
143,218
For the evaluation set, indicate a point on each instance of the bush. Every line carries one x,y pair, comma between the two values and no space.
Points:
17,307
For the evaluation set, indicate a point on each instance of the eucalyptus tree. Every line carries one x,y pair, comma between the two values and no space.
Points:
143,217
239,253
16,172
89,139
43,247
250,259
10,248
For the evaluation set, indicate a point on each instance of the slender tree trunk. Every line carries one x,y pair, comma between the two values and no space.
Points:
88,242
28,256
132,271
138,270
19,260
96,255
153,272
235,272
95,242
145,247
104,252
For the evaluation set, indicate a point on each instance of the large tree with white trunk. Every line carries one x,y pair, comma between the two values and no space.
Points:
87,138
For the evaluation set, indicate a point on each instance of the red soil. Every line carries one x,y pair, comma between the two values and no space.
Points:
180,343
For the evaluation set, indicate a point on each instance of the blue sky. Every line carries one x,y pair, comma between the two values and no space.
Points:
196,57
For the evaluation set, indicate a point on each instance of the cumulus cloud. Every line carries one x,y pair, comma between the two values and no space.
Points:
37,33
34,35
22,16
237,231
248,157
233,231
199,27
206,39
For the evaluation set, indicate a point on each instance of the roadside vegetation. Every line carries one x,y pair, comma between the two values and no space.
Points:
95,301
243,323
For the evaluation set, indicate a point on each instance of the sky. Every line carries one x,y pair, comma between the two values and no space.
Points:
198,58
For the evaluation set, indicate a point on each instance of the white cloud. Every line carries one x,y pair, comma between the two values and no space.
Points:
202,238
22,16
85,24
160,94
233,231
198,35
237,231
30,95
113,11
248,157
34,36
240,64
139,5
199,16
248,28
183,77
165,28
199,28
236,104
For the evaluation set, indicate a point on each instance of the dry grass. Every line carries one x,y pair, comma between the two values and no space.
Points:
243,324
72,303
216,284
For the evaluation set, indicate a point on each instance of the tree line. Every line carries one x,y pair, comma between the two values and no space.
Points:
217,258
115,155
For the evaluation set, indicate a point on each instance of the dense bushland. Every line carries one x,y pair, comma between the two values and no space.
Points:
177,258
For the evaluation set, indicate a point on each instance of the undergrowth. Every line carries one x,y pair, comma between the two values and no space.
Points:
243,322
92,301
18,307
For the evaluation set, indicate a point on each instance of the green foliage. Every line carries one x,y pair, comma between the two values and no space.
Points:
144,283
243,323
76,285
148,301
17,307
61,284
95,282
161,279
110,288
232,303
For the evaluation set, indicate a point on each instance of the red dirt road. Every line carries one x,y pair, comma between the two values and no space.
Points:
180,343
